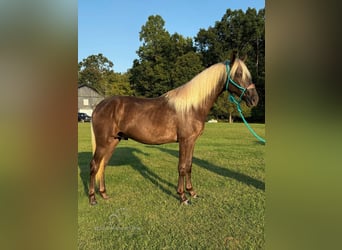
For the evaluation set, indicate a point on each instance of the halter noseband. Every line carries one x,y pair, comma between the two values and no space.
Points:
243,90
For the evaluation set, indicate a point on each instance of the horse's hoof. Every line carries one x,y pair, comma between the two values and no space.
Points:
104,196
186,202
195,196
193,193
93,202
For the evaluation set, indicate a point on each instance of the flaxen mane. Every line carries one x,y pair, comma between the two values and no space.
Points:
194,93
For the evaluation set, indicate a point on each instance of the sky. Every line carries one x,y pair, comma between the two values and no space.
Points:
112,27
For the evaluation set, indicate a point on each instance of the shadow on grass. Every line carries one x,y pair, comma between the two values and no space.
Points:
220,170
128,155
125,156
259,143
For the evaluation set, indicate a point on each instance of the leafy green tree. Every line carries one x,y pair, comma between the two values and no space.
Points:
224,109
97,71
185,68
154,38
149,76
118,84
93,71
162,58
241,32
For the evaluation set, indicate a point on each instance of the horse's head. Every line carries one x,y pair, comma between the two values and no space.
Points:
240,82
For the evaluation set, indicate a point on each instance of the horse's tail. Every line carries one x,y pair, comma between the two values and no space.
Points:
93,147
93,142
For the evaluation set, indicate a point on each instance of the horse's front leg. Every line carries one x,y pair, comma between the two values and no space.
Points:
186,149
189,186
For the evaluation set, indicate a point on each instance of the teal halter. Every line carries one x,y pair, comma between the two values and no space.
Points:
237,102
230,80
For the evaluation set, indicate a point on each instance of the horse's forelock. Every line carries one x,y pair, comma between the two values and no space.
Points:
239,64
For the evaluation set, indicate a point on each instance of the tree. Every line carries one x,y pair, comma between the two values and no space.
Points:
97,71
118,84
94,70
244,33
185,68
223,107
162,58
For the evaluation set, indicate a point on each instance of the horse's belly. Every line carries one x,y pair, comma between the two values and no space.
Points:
152,135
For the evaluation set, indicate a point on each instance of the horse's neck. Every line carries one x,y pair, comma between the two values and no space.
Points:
220,87
205,109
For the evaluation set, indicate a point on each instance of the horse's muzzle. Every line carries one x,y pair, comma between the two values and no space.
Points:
253,97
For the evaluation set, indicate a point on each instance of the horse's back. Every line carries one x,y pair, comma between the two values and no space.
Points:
116,105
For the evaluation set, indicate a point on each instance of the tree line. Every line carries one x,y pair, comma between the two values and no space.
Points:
166,61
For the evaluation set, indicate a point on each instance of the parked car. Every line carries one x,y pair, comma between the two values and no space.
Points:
212,121
83,117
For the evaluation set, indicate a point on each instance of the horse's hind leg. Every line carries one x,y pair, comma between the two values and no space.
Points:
97,166
101,174
94,166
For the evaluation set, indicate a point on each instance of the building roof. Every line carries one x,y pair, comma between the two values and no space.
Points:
86,85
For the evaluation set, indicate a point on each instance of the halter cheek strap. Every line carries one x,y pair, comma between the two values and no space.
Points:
230,80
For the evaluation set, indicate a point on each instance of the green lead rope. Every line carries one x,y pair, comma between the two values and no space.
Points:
232,99
237,103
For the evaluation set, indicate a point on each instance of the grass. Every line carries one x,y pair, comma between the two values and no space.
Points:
228,174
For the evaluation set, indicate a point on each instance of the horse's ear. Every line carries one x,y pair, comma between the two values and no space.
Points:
233,56
244,58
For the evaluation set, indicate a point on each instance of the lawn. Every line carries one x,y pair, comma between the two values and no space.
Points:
144,212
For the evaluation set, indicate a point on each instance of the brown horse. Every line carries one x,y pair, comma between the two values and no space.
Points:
176,116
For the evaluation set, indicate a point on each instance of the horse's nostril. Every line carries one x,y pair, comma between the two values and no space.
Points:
255,100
